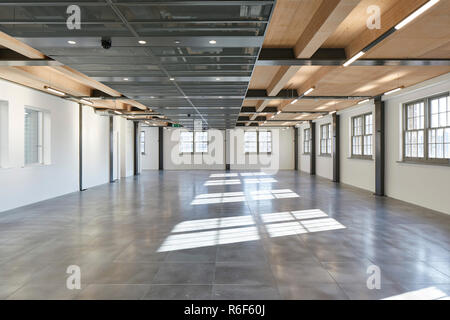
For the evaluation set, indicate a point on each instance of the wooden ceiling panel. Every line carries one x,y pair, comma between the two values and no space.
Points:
372,81
288,22
424,37
355,23
301,77
320,105
262,76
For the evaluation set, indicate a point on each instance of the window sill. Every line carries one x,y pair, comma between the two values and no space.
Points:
325,155
426,163
360,158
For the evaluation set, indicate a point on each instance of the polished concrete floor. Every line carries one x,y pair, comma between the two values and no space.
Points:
202,235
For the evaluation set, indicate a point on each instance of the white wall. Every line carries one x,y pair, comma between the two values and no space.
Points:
213,160
356,172
150,160
95,148
424,185
20,185
126,146
324,164
281,158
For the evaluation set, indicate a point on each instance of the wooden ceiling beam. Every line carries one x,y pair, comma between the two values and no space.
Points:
19,47
326,19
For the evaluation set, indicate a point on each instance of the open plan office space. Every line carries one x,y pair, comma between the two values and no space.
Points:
225,150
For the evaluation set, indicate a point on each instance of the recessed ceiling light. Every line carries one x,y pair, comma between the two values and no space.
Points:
86,102
416,13
71,42
217,79
212,41
177,42
364,101
354,58
142,42
309,91
125,79
392,91
60,93
171,79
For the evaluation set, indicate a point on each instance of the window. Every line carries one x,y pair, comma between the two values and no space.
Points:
362,140
439,132
250,141
265,141
188,141
427,130
307,141
325,139
201,141
258,141
142,142
33,136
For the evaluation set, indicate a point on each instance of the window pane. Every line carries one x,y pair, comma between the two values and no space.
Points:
186,142
250,139
32,133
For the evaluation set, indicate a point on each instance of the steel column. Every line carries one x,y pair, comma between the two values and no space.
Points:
312,157
379,147
336,148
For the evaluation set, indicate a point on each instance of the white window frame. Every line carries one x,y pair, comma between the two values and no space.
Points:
258,141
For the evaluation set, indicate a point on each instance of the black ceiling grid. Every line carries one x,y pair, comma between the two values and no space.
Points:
208,48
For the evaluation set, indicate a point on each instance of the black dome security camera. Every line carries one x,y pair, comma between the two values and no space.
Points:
106,42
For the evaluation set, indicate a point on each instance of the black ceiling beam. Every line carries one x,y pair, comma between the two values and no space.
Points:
286,94
336,57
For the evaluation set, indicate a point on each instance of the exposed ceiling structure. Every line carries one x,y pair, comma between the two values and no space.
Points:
308,42
185,59
180,61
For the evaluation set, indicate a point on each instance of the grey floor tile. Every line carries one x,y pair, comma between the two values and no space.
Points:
178,292
251,251
243,273
113,292
316,291
361,292
245,292
185,273
45,292
300,273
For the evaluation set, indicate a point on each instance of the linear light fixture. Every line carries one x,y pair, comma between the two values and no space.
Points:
309,91
60,93
364,101
86,102
117,112
393,91
279,111
354,58
295,101
416,13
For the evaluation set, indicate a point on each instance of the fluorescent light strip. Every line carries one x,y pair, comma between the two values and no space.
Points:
86,102
364,101
117,112
309,91
55,91
393,91
416,13
295,101
354,58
